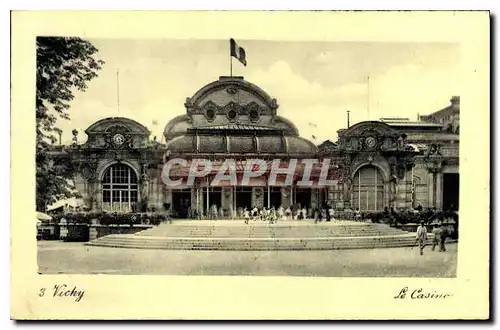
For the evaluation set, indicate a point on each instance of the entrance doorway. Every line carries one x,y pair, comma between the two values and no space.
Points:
451,182
181,203
214,197
303,197
243,197
368,189
274,197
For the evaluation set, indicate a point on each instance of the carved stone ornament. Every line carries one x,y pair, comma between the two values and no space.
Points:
118,141
188,103
241,109
210,106
371,143
144,174
434,166
231,90
118,137
89,171
345,168
434,151
232,106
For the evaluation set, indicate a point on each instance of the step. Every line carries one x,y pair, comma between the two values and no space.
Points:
251,230
132,241
284,235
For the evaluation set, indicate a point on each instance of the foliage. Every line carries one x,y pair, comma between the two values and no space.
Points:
405,217
64,65
112,218
79,217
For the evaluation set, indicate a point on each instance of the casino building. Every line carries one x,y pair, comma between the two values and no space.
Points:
393,162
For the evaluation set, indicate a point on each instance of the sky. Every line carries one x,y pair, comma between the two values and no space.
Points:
315,83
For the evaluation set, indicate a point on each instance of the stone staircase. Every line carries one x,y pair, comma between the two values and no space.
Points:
264,230
286,235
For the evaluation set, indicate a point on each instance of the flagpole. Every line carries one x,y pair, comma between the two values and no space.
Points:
118,90
230,59
368,95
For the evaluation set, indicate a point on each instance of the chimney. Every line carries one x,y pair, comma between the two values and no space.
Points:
455,101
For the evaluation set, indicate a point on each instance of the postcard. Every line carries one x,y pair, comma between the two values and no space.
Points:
250,165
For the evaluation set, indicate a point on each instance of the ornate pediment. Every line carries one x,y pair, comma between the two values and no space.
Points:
367,128
230,88
371,137
114,123
116,133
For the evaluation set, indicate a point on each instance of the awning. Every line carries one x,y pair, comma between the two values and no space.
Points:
42,216
67,202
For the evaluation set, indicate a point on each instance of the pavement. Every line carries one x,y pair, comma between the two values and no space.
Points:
57,257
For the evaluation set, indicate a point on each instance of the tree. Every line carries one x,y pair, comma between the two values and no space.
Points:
64,65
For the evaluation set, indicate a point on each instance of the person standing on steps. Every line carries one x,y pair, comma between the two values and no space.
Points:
281,213
304,213
327,213
421,237
255,213
246,215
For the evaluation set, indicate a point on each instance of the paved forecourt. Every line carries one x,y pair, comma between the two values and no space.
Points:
55,257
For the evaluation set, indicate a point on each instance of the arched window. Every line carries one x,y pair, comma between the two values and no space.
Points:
368,189
119,188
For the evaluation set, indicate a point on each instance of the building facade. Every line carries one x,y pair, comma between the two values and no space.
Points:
375,164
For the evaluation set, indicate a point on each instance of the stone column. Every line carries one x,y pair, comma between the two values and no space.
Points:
168,196
193,200
227,201
430,189
314,198
400,201
387,194
439,190
93,229
285,196
63,229
347,194
97,195
153,195
403,197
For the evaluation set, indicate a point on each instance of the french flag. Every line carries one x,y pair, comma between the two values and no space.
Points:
238,52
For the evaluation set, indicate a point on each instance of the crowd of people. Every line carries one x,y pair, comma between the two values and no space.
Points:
296,212
327,213
270,214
